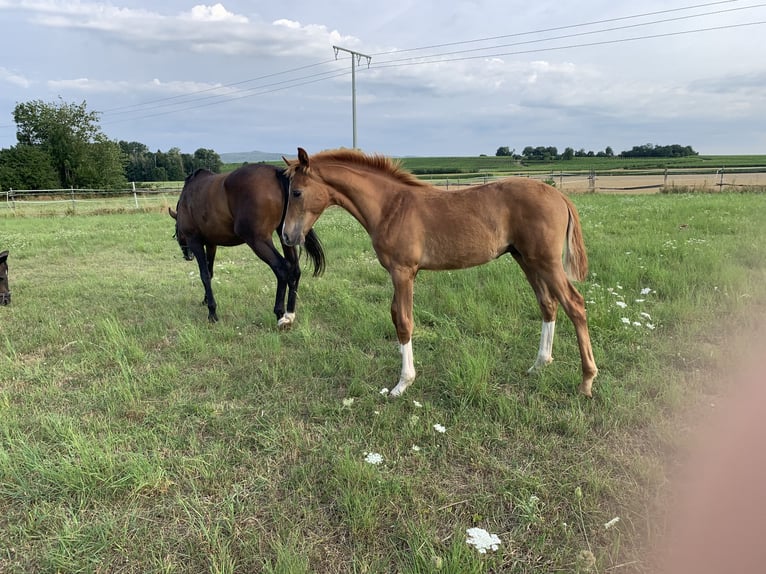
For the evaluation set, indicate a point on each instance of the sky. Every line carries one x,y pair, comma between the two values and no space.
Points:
432,78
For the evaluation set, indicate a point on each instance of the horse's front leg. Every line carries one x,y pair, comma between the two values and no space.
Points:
293,277
264,248
401,315
205,264
210,251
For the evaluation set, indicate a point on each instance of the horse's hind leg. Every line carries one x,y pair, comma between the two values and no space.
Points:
574,306
548,308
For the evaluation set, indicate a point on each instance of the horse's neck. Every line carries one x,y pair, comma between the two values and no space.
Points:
362,193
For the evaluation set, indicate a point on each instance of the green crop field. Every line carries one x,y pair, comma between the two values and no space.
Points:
500,166
135,437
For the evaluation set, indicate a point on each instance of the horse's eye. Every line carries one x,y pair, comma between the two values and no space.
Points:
297,193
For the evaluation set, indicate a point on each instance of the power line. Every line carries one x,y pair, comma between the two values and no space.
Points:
398,63
579,34
197,102
557,28
266,76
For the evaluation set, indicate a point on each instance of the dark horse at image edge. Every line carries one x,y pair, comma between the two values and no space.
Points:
244,206
5,292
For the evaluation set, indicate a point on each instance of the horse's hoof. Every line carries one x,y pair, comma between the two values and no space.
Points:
212,318
585,390
286,321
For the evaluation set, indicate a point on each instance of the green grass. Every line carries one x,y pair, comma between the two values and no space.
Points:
136,437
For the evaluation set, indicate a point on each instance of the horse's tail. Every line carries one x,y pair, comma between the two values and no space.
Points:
315,252
575,256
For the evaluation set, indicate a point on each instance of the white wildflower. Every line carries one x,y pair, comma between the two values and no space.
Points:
640,300
636,324
611,523
650,326
621,304
348,402
482,540
373,458
384,391
646,290
415,448
625,320
439,428
417,404
646,316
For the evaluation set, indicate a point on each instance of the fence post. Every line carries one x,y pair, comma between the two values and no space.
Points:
592,180
73,202
135,197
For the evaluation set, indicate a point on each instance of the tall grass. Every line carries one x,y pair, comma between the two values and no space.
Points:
136,437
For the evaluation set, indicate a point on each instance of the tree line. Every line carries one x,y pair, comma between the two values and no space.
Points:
542,153
61,145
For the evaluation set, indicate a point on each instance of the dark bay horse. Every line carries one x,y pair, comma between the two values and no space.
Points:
415,226
5,291
244,206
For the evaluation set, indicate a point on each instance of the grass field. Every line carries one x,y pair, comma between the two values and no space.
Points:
437,167
136,437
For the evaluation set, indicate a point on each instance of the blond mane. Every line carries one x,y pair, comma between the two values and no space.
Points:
375,162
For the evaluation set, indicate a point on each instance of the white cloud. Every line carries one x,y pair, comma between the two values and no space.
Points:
13,78
215,13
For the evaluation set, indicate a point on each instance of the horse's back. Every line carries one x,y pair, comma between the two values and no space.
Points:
256,196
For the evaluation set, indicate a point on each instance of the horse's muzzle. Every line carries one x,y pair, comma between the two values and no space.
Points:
5,298
293,239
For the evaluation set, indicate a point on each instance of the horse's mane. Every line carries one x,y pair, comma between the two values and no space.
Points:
198,171
376,162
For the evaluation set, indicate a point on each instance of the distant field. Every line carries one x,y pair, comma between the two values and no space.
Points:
492,165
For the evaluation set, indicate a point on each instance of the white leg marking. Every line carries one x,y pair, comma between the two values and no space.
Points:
408,370
545,354
286,321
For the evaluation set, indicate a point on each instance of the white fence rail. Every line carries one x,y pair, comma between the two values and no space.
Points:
74,200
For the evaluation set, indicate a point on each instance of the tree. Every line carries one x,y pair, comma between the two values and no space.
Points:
26,167
568,154
207,159
72,138
104,164
139,160
503,151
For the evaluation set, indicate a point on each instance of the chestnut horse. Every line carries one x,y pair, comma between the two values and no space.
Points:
244,206
415,226
5,292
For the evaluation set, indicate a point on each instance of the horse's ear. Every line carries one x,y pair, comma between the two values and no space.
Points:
287,161
3,256
172,213
303,157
